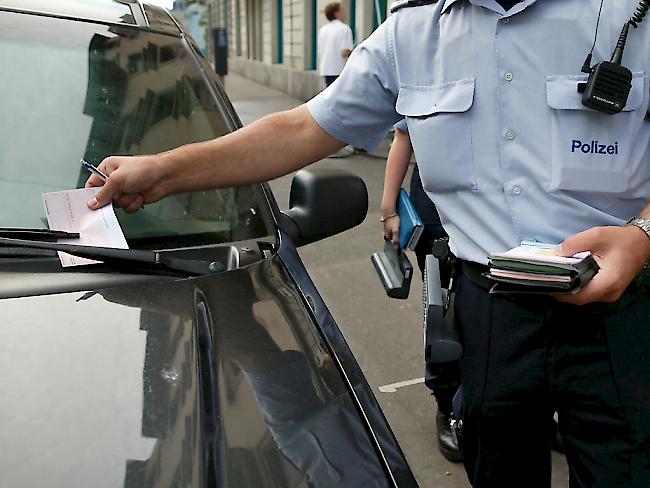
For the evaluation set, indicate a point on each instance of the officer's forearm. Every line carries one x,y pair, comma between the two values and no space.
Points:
269,148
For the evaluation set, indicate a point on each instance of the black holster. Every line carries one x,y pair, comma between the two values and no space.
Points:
441,342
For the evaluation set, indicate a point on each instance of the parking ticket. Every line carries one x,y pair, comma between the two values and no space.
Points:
68,211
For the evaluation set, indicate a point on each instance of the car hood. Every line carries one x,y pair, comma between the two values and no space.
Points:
220,379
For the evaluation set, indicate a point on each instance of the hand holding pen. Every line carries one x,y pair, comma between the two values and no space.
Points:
97,172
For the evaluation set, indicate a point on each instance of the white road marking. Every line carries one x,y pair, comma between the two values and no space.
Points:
392,388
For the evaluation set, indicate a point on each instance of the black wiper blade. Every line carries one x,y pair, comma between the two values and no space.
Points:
120,257
46,235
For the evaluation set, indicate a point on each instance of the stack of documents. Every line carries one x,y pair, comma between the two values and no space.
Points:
410,223
539,268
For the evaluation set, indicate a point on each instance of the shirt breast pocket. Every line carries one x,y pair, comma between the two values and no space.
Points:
591,151
438,119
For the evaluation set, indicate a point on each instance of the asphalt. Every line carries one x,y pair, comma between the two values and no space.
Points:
385,335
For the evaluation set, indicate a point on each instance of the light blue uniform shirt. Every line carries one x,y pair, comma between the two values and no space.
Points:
402,125
505,147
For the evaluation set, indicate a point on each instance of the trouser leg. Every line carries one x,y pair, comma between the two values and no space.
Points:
443,379
600,377
506,409
526,357
329,80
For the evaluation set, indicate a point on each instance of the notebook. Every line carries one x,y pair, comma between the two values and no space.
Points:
410,223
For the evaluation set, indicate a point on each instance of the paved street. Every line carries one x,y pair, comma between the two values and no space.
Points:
384,334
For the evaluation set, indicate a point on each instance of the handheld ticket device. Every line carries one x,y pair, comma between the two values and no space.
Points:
394,270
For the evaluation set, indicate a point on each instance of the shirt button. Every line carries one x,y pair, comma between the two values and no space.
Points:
508,77
510,135
505,20
516,190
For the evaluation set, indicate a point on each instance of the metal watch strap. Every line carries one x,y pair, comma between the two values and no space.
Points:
642,223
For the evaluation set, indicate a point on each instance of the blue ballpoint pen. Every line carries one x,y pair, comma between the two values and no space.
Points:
96,172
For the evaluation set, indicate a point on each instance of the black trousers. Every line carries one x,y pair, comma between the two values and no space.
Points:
329,80
527,357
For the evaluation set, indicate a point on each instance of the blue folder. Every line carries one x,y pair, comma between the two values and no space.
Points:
410,223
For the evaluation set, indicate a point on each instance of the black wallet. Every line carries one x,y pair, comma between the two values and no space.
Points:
577,276
395,271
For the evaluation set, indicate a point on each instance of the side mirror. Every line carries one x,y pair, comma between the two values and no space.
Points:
324,202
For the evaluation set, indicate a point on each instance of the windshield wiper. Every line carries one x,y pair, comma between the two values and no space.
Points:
36,234
121,257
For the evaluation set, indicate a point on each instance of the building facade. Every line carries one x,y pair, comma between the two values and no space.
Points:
273,42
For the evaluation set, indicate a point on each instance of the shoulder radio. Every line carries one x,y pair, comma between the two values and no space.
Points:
609,83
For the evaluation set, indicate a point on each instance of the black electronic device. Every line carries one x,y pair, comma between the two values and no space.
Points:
395,271
441,342
608,87
609,83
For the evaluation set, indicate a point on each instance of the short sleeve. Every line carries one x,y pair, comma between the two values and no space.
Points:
359,107
347,39
401,125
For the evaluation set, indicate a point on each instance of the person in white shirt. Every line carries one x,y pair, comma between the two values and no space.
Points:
334,43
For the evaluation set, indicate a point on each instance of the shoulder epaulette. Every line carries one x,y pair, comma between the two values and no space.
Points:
410,3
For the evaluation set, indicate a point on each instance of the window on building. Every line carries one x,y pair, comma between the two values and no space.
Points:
254,29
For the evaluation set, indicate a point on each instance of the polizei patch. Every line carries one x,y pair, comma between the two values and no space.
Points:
593,147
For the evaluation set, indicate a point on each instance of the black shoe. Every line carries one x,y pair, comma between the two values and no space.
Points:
447,441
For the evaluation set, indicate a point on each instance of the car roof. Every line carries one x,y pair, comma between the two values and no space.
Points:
124,12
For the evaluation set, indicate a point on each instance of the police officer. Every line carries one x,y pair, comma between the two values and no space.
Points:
506,151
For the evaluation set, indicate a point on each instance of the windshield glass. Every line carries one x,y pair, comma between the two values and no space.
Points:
74,90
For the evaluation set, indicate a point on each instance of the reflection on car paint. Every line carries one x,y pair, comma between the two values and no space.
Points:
275,377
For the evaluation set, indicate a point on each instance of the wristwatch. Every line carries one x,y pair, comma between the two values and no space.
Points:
642,223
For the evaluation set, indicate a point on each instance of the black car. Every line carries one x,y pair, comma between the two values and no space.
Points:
201,356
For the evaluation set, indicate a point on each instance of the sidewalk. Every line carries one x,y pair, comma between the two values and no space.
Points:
253,101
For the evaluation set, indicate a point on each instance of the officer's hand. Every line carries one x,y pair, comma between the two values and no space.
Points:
621,253
391,230
132,181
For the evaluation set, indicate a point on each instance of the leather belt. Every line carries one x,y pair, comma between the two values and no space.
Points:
474,272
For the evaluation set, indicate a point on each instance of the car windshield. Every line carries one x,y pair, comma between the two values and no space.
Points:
74,90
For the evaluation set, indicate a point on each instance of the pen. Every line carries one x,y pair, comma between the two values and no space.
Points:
96,172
